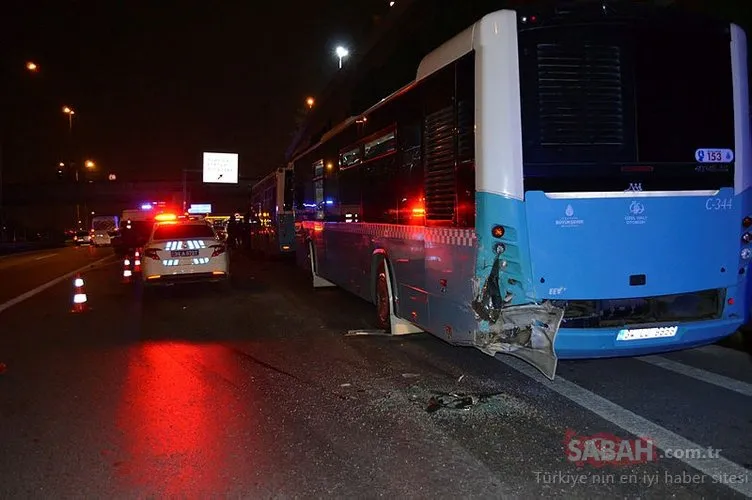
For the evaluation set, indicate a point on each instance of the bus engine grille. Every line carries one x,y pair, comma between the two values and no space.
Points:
697,306
439,164
580,100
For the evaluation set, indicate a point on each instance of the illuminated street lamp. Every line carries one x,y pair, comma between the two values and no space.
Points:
69,111
341,53
32,66
310,102
90,164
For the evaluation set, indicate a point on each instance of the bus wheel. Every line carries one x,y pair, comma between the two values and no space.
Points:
383,307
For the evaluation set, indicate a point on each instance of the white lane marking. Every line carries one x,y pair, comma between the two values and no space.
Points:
700,374
46,256
21,258
26,295
636,425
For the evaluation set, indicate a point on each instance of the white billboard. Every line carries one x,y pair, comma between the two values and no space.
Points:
201,208
221,168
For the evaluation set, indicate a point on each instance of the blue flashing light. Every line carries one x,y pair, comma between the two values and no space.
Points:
330,202
146,206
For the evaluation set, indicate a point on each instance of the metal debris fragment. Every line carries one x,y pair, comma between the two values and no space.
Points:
410,375
454,401
366,333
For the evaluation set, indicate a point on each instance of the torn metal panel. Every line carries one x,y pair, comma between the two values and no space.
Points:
526,331
488,303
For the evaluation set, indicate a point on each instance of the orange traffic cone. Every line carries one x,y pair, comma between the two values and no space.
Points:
127,273
79,295
137,262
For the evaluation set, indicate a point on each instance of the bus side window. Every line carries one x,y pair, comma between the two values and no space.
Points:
409,185
302,177
380,176
289,181
299,195
350,193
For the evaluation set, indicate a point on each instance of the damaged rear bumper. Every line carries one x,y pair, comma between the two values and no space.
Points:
584,343
526,331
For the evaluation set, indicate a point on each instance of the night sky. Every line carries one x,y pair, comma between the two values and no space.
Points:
156,83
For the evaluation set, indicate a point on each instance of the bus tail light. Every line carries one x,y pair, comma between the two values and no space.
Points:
499,248
746,253
151,253
497,231
747,221
747,237
218,250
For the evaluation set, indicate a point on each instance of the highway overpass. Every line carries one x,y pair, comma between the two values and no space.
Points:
53,204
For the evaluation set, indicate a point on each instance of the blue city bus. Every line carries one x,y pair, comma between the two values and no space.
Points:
273,221
552,185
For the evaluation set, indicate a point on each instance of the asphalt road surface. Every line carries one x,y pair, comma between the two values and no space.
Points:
259,391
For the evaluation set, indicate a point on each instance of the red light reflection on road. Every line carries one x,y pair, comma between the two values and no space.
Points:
176,421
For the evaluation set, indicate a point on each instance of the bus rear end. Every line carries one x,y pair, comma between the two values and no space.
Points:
635,139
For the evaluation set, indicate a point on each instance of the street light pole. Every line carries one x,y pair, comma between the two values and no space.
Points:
31,67
341,53
70,112
185,186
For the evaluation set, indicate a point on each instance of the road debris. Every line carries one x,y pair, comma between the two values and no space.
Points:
367,333
496,402
452,401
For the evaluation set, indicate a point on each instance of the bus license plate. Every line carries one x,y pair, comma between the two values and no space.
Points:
184,253
647,333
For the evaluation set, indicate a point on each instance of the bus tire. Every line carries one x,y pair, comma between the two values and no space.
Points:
383,300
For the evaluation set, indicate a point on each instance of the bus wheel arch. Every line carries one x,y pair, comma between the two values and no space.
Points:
382,286
318,281
384,294
311,254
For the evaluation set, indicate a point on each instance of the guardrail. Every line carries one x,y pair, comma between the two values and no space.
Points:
27,246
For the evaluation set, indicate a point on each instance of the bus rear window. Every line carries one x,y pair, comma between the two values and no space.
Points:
183,231
608,105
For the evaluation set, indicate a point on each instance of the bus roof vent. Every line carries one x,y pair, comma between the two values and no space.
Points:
580,95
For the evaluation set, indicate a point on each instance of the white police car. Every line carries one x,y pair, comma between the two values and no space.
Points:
183,250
